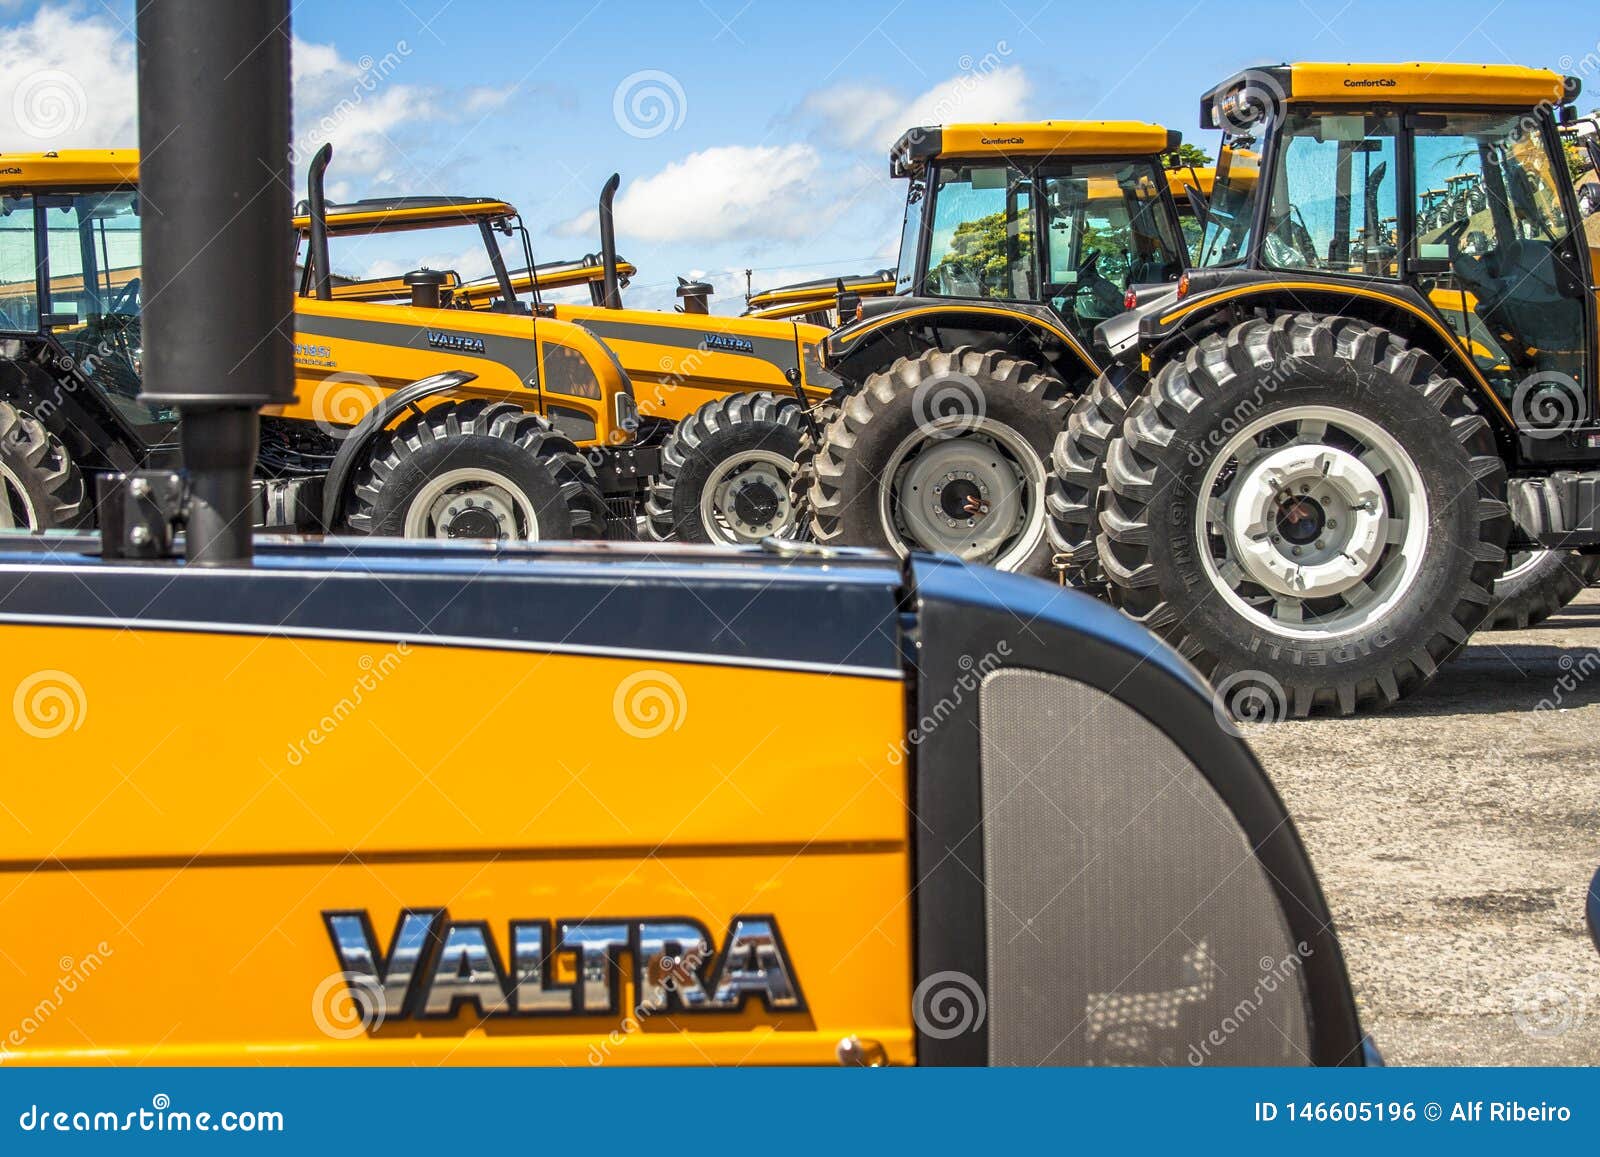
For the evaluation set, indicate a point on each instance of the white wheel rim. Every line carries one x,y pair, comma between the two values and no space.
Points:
12,496
1312,522
471,497
1522,561
765,474
971,487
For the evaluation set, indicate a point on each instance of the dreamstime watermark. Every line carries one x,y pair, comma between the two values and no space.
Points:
666,973
949,405
1244,410
973,71
1574,673
1275,974
648,103
373,672
649,703
1254,104
1548,1005
49,103
374,72
948,1004
49,703
159,1117
1548,404
73,973
1248,697
346,1005
341,400
973,673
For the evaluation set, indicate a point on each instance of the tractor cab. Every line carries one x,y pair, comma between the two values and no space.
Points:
1449,196
1065,214
70,299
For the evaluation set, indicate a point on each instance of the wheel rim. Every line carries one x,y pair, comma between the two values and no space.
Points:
1520,563
471,503
965,486
746,498
1313,521
14,499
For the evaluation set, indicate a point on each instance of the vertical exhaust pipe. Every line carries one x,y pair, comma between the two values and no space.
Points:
608,243
317,207
218,260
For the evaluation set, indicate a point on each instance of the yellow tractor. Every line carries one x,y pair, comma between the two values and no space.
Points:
1018,239
294,815
1323,448
719,399
423,422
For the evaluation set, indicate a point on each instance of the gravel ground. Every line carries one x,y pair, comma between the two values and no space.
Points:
1455,838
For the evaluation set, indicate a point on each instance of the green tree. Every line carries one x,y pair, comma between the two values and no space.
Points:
980,251
1185,156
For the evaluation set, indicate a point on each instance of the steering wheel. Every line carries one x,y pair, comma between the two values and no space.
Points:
126,297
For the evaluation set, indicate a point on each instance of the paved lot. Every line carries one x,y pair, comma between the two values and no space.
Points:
1455,838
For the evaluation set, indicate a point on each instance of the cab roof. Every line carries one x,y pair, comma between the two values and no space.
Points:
1410,83
913,150
69,169
397,214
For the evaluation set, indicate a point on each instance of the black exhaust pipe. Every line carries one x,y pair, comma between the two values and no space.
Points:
608,243
218,264
317,207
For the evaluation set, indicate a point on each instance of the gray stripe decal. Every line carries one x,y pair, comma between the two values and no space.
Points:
778,351
520,355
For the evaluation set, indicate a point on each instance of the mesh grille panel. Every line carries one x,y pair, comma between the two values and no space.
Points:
1128,920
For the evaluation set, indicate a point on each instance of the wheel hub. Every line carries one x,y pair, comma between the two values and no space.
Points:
471,503
962,495
747,498
1307,521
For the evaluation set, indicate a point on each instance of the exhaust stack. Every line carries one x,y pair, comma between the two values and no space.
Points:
218,266
608,243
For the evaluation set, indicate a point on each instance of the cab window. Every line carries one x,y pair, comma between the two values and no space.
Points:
1231,211
911,237
982,243
1334,207
19,267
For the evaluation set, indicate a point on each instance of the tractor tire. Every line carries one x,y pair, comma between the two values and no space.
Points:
726,472
477,470
945,452
40,488
1218,527
805,460
1537,584
1078,471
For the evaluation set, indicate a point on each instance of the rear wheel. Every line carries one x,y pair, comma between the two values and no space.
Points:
943,452
40,488
726,472
1538,583
1078,471
477,470
1308,507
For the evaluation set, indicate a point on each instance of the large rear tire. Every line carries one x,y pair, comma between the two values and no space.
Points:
1078,471
1309,510
40,488
477,470
726,472
943,452
1537,584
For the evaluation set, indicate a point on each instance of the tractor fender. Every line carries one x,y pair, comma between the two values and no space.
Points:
1171,324
864,347
377,418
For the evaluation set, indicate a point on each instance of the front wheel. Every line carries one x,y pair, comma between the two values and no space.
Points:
1538,583
477,470
943,452
1307,508
726,472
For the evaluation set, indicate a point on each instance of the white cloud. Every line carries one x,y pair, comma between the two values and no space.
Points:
760,191
861,116
66,82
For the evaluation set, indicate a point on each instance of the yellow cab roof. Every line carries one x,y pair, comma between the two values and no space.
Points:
69,169
396,214
1410,82
1030,139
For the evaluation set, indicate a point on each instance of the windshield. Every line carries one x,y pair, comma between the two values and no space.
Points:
1233,202
911,236
982,244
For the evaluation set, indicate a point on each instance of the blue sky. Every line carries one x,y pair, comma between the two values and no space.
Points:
748,134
